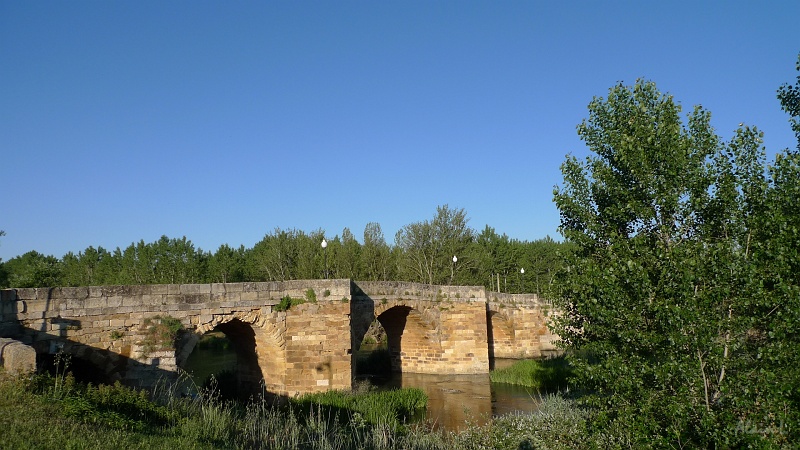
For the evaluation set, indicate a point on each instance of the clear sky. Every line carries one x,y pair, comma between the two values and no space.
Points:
221,121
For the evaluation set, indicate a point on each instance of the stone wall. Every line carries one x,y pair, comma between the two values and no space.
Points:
108,326
17,358
518,326
306,348
430,329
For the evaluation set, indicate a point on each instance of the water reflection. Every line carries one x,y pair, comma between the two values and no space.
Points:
456,401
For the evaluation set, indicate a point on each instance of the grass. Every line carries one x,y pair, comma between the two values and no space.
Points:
551,374
392,409
45,412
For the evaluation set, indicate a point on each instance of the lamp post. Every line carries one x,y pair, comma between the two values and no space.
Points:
325,252
522,280
453,269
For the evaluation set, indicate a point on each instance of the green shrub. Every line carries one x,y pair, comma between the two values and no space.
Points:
287,302
160,333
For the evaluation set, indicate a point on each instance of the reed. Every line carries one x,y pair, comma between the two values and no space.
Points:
551,374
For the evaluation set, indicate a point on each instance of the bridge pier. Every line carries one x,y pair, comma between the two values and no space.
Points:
294,337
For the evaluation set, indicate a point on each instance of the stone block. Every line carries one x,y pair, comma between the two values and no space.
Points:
160,289
249,296
75,292
194,298
195,289
8,295
16,357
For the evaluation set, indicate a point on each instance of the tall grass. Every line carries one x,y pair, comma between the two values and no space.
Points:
386,408
34,415
551,374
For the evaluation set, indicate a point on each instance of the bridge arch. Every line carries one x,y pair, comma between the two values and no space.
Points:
412,337
259,347
86,363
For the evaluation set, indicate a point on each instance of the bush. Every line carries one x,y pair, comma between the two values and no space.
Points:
160,333
287,302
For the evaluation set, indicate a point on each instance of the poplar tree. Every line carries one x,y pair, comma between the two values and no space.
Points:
679,299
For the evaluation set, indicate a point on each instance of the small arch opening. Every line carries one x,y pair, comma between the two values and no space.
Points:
373,358
412,340
224,359
80,366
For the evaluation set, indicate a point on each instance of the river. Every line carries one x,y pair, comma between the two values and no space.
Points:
454,401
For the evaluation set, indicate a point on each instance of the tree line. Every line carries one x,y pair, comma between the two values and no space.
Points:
422,252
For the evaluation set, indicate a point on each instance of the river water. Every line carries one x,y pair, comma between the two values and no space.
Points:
454,401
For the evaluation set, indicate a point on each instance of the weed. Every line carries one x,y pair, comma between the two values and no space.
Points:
160,334
287,302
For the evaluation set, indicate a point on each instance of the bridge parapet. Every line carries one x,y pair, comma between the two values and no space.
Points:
108,324
418,291
304,347
519,326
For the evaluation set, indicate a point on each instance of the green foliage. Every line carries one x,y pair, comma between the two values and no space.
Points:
287,302
115,417
392,408
549,374
215,341
226,265
311,296
427,247
423,253
33,270
160,333
789,96
686,249
560,424
116,334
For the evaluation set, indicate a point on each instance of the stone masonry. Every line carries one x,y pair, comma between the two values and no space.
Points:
308,347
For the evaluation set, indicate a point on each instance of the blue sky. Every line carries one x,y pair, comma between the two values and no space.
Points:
221,121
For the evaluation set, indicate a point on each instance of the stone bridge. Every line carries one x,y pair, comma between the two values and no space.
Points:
291,337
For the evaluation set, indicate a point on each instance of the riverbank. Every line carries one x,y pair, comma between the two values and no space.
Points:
53,413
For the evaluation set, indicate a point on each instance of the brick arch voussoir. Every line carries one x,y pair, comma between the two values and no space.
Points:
420,318
421,311
254,318
110,364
